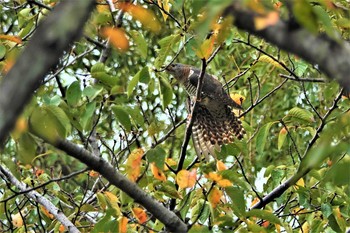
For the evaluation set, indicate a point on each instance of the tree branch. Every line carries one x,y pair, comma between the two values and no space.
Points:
34,195
331,56
52,37
170,220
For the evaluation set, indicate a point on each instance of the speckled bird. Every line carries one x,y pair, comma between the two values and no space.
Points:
215,122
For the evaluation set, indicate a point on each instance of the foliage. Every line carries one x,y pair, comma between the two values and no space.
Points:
109,96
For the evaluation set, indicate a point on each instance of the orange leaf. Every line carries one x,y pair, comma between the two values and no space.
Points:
133,164
140,214
255,200
270,19
220,166
39,172
46,212
117,37
265,224
93,173
123,221
61,228
15,39
214,197
186,179
158,174
214,176
145,16
239,99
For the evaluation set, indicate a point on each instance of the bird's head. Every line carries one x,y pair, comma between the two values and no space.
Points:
179,71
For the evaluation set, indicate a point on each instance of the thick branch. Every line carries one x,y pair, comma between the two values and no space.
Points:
331,56
170,220
43,51
34,195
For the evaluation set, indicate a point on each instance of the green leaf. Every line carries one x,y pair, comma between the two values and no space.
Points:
263,214
87,116
282,137
73,93
99,72
199,228
156,155
339,173
300,115
238,201
2,51
143,75
262,136
166,92
165,48
50,122
305,15
140,43
26,148
122,116
91,92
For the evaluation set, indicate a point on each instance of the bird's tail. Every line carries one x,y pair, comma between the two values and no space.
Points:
209,133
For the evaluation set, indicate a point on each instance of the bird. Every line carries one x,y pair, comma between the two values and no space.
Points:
215,122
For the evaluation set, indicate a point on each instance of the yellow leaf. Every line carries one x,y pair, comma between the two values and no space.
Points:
224,183
269,19
145,16
17,220
21,127
140,214
255,200
214,197
15,39
186,179
158,174
133,164
123,221
206,48
170,162
113,200
117,37
299,183
166,6
267,59
220,166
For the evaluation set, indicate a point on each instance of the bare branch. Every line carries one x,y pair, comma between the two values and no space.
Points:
37,197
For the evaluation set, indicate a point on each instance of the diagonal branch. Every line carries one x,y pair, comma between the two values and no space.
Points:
37,197
52,37
330,55
168,218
